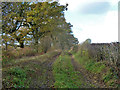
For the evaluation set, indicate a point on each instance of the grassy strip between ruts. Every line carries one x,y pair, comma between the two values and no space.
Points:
65,76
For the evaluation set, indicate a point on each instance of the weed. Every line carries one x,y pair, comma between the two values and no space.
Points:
16,77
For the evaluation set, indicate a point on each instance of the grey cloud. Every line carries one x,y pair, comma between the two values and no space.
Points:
96,8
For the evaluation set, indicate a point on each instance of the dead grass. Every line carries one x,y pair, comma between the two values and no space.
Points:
18,53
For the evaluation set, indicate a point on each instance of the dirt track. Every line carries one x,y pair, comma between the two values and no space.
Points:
43,77
40,71
46,79
91,79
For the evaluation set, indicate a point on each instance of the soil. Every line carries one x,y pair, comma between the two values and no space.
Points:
43,77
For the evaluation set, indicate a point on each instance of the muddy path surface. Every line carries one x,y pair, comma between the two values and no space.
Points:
92,81
43,76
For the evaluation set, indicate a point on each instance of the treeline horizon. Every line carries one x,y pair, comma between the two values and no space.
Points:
38,24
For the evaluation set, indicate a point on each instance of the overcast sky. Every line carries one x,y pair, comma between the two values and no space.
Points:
94,19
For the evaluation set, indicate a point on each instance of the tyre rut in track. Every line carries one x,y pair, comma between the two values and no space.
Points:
88,77
43,78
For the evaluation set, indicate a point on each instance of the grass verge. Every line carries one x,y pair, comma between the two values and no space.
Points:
65,76
97,68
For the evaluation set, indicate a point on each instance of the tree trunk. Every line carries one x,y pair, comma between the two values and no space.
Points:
21,45
36,40
36,45
6,45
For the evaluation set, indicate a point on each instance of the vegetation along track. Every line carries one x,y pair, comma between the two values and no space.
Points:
88,77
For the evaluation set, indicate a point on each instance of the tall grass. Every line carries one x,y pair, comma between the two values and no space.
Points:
12,54
18,53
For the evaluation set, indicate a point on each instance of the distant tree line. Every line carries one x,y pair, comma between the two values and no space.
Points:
41,24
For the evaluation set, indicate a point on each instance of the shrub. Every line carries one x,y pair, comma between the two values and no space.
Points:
19,52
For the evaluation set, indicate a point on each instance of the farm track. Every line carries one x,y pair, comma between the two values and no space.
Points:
25,60
43,78
92,80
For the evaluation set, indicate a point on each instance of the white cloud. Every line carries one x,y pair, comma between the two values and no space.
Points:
100,28
106,31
